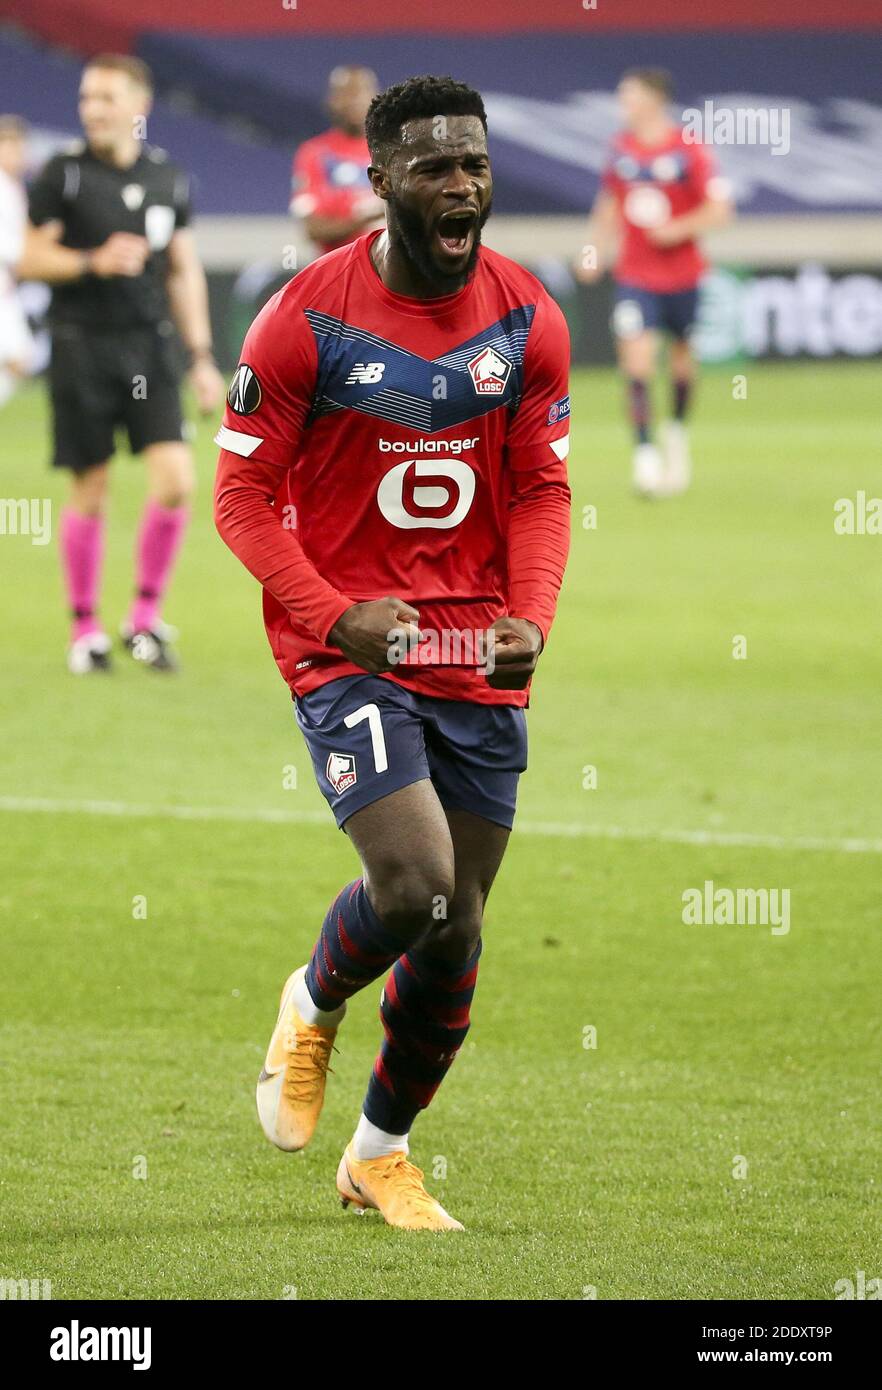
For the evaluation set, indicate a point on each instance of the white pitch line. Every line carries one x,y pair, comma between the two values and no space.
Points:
159,812
818,843
553,829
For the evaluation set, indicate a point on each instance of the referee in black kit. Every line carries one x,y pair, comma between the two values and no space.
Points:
109,231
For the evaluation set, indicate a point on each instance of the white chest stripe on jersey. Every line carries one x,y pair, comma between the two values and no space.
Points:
237,442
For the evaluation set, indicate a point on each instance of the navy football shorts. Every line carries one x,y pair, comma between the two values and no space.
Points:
369,736
635,309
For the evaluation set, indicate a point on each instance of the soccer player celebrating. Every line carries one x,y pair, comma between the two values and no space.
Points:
393,472
109,232
16,340
659,192
330,188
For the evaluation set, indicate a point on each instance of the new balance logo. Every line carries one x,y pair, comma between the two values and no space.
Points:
366,374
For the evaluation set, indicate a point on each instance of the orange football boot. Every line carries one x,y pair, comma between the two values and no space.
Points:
291,1087
393,1187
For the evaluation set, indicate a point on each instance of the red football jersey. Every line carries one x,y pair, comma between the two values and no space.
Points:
376,444
651,184
329,177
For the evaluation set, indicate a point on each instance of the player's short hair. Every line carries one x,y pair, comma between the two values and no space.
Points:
134,68
656,79
13,128
413,99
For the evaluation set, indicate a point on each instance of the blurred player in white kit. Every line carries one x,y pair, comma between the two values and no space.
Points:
16,340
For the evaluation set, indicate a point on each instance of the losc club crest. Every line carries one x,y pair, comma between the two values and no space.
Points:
489,371
244,393
340,771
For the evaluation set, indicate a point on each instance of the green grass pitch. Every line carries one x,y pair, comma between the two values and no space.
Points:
720,1140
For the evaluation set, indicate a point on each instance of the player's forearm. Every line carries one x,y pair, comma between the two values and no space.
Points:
43,259
602,232
188,299
538,545
598,248
327,229
248,523
707,218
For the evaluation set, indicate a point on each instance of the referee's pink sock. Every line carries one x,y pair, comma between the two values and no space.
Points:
82,554
159,540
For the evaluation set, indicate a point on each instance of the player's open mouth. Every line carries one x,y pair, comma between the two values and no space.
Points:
455,233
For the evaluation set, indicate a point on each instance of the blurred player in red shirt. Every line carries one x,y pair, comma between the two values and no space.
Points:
330,189
659,192
393,471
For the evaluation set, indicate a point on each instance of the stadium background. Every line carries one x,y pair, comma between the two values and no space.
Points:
798,274
721,1139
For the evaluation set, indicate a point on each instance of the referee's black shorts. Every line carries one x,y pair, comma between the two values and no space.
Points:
105,378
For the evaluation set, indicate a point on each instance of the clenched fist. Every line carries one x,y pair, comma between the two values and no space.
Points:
366,631
516,645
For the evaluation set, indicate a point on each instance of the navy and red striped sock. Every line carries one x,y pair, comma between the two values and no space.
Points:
425,1016
353,949
638,400
681,393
